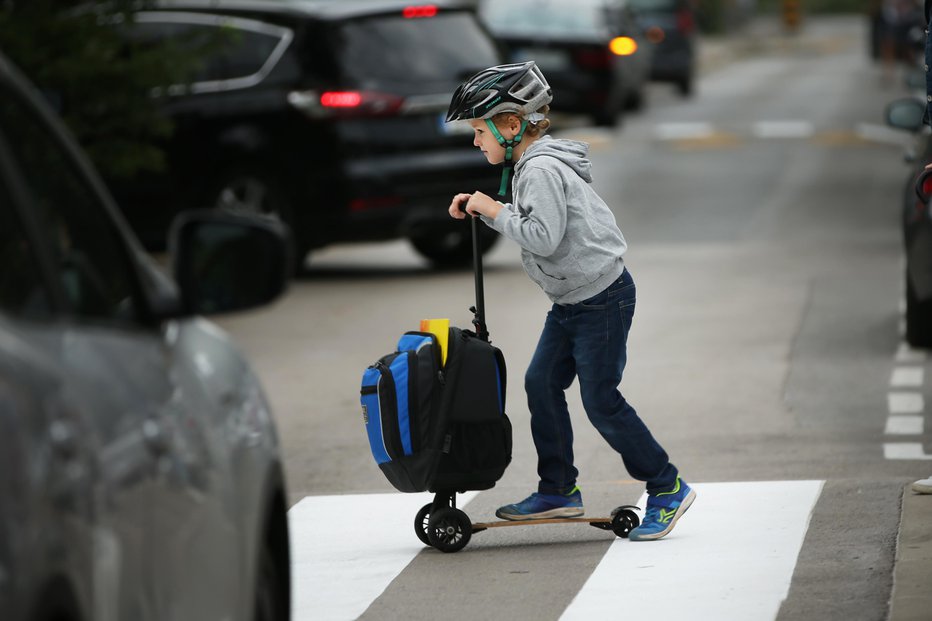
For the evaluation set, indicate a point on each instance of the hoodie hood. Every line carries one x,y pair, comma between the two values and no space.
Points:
571,152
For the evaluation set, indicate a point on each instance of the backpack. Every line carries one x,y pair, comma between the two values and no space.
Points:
438,427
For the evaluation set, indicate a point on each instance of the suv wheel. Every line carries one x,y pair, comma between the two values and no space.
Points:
448,247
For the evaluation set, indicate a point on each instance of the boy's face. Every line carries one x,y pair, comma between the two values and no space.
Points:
485,140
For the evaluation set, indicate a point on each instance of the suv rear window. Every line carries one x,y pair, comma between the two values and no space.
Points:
524,17
447,47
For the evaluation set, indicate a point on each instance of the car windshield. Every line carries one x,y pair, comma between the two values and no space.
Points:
444,48
545,17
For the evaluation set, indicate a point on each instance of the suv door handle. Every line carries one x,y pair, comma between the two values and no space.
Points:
155,436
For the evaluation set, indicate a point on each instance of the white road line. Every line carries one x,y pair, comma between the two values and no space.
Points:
907,377
345,550
683,131
783,129
716,565
906,354
904,450
905,403
881,133
904,426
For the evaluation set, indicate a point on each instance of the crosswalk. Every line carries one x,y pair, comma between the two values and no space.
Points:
346,550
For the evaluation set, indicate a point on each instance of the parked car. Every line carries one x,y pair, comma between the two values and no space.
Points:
907,114
328,115
592,52
141,472
670,25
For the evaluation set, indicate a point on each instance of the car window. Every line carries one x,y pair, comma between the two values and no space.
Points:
446,47
228,49
23,291
536,17
88,253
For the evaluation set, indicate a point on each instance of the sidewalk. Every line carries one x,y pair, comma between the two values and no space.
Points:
911,597
912,570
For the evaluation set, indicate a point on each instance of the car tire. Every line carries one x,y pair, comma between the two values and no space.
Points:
253,191
273,599
451,246
918,319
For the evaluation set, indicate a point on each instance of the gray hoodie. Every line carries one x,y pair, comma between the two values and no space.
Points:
570,243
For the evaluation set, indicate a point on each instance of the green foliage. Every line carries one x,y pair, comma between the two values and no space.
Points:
98,80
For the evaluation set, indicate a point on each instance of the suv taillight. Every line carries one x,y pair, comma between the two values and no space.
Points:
323,104
412,12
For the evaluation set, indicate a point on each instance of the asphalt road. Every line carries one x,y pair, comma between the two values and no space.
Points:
762,220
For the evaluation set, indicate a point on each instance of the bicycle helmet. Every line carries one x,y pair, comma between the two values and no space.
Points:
518,87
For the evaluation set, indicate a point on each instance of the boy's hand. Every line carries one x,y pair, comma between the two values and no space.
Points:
481,204
457,205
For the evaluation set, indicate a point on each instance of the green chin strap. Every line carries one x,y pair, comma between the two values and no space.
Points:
509,146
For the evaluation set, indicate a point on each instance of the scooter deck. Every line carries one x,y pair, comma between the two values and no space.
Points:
599,522
605,523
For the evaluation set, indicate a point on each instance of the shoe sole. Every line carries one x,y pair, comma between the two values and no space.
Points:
919,488
683,508
562,512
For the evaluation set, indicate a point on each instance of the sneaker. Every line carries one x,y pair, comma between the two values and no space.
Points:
923,486
541,506
663,510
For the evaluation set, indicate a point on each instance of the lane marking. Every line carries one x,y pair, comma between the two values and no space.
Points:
904,426
905,402
905,353
881,134
907,377
783,129
345,550
905,450
715,565
683,131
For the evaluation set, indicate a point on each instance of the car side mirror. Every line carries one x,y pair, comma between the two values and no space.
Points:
226,262
905,114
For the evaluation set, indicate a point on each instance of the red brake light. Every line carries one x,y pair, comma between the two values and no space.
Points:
412,12
341,99
345,103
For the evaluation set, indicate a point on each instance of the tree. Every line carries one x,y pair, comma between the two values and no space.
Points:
99,80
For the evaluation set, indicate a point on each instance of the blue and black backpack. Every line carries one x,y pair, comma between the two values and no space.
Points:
435,427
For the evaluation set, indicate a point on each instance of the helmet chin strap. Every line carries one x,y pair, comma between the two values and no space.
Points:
509,146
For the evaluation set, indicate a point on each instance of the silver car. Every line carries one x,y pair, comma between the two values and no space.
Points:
140,473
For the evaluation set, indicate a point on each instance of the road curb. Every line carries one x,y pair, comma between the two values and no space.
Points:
911,599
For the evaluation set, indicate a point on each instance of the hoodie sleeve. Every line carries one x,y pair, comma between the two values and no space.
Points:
540,224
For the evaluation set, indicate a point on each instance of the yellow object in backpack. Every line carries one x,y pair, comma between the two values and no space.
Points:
441,329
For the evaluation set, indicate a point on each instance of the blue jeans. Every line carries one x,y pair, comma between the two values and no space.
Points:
588,341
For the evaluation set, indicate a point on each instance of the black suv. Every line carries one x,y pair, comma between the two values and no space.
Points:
328,115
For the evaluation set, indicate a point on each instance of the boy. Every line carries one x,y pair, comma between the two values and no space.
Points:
573,249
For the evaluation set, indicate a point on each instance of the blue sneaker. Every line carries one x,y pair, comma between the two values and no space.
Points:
663,510
541,506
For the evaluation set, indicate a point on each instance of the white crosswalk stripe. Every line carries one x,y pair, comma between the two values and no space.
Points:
346,550
717,563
